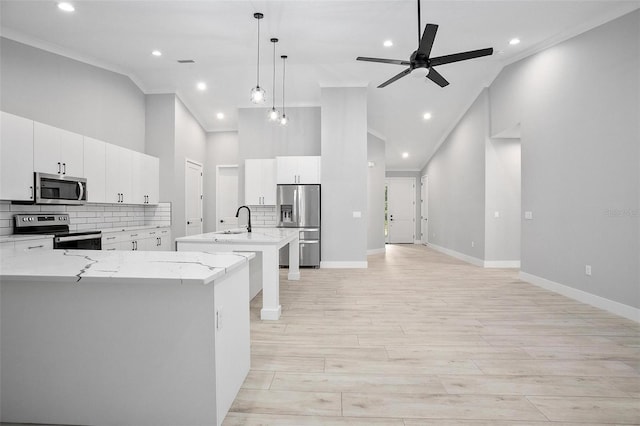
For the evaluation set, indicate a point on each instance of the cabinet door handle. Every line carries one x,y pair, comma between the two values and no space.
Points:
64,168
35,247
31,188
111,238
59,170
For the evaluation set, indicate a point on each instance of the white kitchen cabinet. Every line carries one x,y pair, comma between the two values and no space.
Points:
145,173
95,170
57,151
118,176
16,158
31,245
260,182
298,170
164,239
153,239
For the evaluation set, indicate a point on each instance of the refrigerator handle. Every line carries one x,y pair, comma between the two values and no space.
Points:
295,218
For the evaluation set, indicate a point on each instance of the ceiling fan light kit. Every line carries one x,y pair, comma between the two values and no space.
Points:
257,93
420,63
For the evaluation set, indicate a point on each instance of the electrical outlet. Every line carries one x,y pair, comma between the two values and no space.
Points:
496,214
473,243
219,318
587,270
528,215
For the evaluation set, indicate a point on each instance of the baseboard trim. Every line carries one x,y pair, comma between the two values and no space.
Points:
464,257
376,251
616,308
343,265
417,241
502,264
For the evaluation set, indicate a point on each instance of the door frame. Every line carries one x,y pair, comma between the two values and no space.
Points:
186,165
218,167
413,209
424,209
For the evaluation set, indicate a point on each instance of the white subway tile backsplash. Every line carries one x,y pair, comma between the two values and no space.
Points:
93,216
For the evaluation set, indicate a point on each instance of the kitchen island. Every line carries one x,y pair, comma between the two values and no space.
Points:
267,242
144,338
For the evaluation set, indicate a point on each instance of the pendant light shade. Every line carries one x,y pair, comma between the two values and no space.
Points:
257,93
273,115
284,120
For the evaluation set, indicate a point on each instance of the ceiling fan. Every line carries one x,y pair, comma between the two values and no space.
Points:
420,58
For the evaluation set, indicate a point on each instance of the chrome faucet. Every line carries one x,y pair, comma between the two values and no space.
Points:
249,215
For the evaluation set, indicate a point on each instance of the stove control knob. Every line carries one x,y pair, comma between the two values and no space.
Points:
30,219
24,219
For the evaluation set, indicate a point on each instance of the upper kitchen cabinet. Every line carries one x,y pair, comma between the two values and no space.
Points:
57,151
118,176
145,179
298,170
260,182
95,170
16,158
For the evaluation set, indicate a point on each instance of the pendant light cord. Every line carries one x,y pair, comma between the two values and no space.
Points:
258,67
273,106
284,71
419,24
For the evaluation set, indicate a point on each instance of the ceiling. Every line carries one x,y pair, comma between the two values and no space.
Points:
322,39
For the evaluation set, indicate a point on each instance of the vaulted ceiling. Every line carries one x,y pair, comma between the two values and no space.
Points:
322,38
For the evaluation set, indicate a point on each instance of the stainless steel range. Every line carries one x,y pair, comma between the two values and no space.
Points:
58,225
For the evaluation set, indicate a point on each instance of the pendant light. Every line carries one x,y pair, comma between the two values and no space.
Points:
274,115
257,93
283,120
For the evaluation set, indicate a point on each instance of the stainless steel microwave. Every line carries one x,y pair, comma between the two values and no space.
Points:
60,189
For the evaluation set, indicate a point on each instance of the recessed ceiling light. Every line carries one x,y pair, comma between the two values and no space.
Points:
387,43
405,155
514,41
220,116
427,116
202,86
156,53
67,7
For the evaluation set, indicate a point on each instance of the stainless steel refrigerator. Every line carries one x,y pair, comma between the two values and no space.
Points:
298,206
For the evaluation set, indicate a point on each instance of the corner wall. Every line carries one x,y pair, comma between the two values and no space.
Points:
375,192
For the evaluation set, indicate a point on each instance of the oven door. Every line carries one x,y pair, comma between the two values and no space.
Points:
56,189
78,242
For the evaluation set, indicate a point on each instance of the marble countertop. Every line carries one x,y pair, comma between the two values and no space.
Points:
256,236
14,238
125,266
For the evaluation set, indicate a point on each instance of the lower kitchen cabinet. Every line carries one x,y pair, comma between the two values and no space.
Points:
155,239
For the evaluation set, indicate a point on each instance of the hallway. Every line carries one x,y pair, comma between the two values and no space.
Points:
420,338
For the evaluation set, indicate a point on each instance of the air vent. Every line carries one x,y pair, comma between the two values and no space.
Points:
186,61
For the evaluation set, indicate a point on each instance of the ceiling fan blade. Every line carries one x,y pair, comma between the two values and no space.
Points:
395,77
384,61
428,36
462,56
437,78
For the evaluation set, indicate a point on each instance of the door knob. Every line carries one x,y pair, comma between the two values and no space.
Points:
221,221
188,223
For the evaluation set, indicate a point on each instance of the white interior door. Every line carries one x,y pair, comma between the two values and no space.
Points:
193,193
424,209
401,210
226,197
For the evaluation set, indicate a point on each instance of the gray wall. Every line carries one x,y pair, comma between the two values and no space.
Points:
502,195
580,158
258,138
375,192
221,149
344,174
174,136
72,95
457,184
416,176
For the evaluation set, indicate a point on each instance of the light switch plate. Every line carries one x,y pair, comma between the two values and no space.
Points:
528,215
496,214
357,214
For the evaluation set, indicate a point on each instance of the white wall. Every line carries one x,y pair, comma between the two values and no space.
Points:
344,176
221,149
160,118
457,184
72,95
375,193
580,158
502,195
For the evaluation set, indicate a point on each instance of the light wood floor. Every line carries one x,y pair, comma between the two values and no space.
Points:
421,338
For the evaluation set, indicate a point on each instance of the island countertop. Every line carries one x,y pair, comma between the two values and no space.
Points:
277,236
126,266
